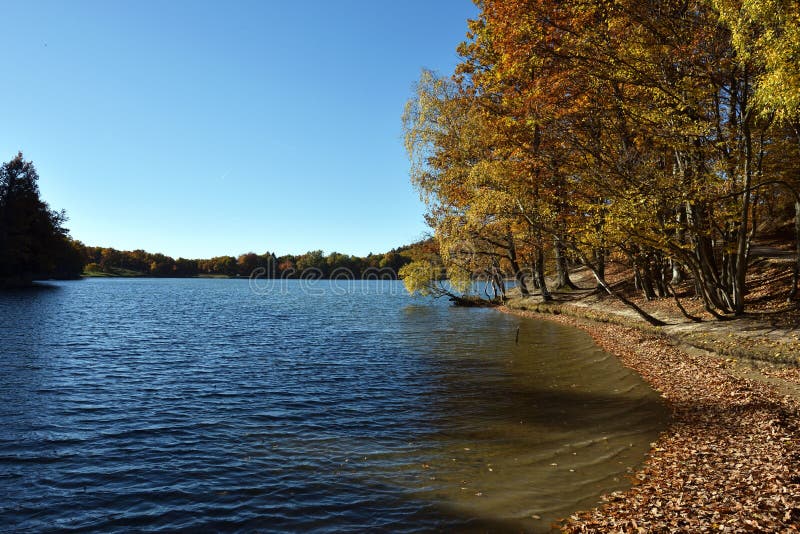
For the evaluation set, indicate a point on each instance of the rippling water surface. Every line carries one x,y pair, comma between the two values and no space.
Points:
198,404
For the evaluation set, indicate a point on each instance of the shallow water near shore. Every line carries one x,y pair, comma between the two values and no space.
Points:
155,404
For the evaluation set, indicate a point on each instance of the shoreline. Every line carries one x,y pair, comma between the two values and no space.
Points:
729,459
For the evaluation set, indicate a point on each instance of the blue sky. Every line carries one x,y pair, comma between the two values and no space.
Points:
199,129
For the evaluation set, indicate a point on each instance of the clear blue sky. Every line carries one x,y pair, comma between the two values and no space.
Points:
207,128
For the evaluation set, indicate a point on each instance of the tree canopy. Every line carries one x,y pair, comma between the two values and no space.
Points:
315,264
33,241
654,133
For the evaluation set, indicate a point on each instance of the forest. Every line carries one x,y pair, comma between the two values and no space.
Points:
663,135
35,245
312,264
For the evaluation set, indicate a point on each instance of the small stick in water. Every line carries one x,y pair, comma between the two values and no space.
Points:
516,338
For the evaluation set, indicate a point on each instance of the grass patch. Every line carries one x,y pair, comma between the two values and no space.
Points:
113,272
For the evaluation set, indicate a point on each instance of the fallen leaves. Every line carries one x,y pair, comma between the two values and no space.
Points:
729,461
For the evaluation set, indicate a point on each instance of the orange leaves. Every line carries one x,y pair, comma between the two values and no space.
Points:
728,462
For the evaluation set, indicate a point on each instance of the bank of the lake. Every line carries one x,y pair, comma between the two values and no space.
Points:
730,458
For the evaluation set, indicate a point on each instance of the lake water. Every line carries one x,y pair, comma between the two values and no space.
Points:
200,404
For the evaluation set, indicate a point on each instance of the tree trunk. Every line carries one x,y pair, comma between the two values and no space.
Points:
706,275
647,280
741,259
643,314
539,273
686,314
562,269
600,264
796,275
519,276
677,272
661,278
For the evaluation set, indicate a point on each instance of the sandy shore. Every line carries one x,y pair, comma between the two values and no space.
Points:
729,460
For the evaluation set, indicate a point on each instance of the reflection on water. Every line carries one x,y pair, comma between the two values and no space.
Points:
186,404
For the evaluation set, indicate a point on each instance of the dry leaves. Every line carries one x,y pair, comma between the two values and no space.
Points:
729,461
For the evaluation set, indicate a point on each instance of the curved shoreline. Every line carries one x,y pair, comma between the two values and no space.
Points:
729,459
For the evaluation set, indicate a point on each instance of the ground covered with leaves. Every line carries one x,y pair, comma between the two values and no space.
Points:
729,460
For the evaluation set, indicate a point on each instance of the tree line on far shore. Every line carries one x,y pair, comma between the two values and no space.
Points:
35,245
316,264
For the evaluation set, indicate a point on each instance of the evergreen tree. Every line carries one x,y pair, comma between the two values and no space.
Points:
33,242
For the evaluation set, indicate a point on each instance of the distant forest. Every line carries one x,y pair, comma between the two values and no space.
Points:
35,245
314,264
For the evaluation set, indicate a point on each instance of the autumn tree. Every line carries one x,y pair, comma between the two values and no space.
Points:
463,182
654,132
766,34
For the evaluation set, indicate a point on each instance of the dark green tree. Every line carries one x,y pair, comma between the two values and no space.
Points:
34,244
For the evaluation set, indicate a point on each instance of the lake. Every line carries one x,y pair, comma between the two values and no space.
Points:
208,404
